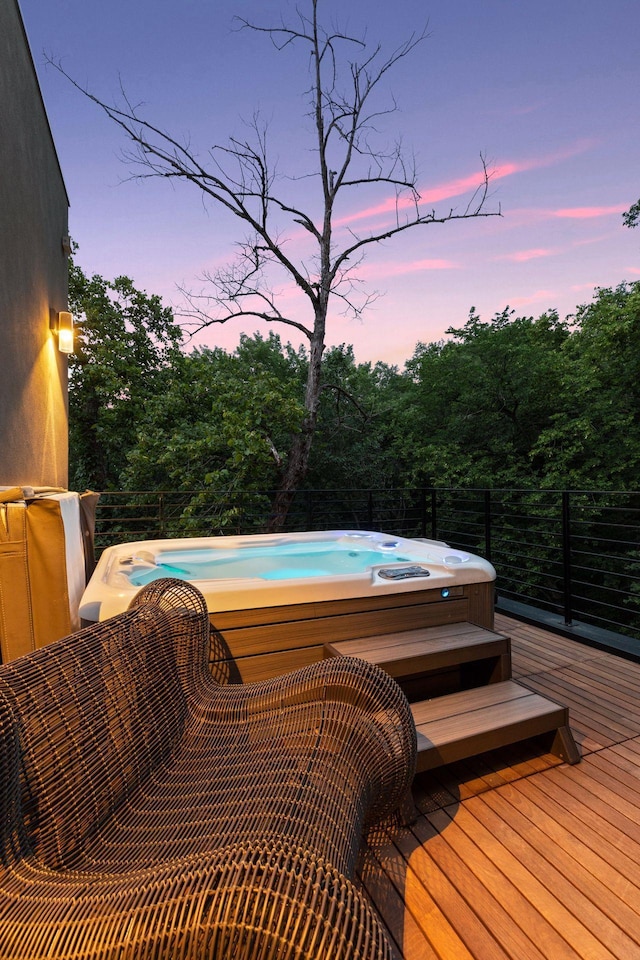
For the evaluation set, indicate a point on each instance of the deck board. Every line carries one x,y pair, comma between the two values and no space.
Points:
515,854
531,916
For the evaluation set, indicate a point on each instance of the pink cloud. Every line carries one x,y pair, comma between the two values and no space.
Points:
461,185
587,213
414,266
453,188
546,295
598,238
528,108
522,256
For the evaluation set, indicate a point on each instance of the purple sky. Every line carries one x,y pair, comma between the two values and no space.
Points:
548,91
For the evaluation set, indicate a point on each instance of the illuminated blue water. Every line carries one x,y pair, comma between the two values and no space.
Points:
283,562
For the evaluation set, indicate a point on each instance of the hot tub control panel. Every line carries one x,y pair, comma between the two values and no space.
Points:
403,573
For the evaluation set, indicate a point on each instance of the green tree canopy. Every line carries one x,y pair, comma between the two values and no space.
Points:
632,216
125,344
353,447
594,439
513,402
477,403
221,424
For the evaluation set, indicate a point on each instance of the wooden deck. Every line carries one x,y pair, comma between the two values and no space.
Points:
516,854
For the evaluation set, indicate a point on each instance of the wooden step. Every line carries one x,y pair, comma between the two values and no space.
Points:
484,656
464,724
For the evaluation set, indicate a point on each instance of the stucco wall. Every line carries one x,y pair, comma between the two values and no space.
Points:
33,273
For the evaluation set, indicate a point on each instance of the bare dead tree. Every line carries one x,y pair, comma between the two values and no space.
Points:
346,103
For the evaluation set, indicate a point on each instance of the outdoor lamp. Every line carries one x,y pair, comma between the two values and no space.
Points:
63,326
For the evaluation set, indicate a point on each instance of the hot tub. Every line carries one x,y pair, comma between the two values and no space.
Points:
263,571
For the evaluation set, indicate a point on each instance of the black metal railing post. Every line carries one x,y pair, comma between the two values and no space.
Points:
487,524
162,522
423,512
566,558
434,514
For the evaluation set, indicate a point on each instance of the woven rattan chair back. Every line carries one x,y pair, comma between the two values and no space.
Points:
150,812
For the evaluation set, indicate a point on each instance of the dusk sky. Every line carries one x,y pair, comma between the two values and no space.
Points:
547,91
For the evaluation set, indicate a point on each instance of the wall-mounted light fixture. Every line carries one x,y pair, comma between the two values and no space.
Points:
62,325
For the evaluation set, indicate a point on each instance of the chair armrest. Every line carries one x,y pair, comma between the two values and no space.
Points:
364,700
372,700
241,902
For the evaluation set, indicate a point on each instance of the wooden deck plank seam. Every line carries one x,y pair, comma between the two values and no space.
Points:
544,852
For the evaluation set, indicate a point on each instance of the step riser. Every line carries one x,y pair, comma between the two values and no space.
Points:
431,756
475,706
435,660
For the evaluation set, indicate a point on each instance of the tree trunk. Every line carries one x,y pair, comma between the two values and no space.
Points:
298,459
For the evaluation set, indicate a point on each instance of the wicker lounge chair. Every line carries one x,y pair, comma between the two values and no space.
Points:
148,811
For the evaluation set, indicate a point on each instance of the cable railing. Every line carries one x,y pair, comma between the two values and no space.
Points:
573,556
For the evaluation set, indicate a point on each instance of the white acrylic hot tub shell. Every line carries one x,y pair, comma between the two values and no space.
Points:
109,591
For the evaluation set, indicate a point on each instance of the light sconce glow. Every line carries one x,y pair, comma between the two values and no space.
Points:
62,324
